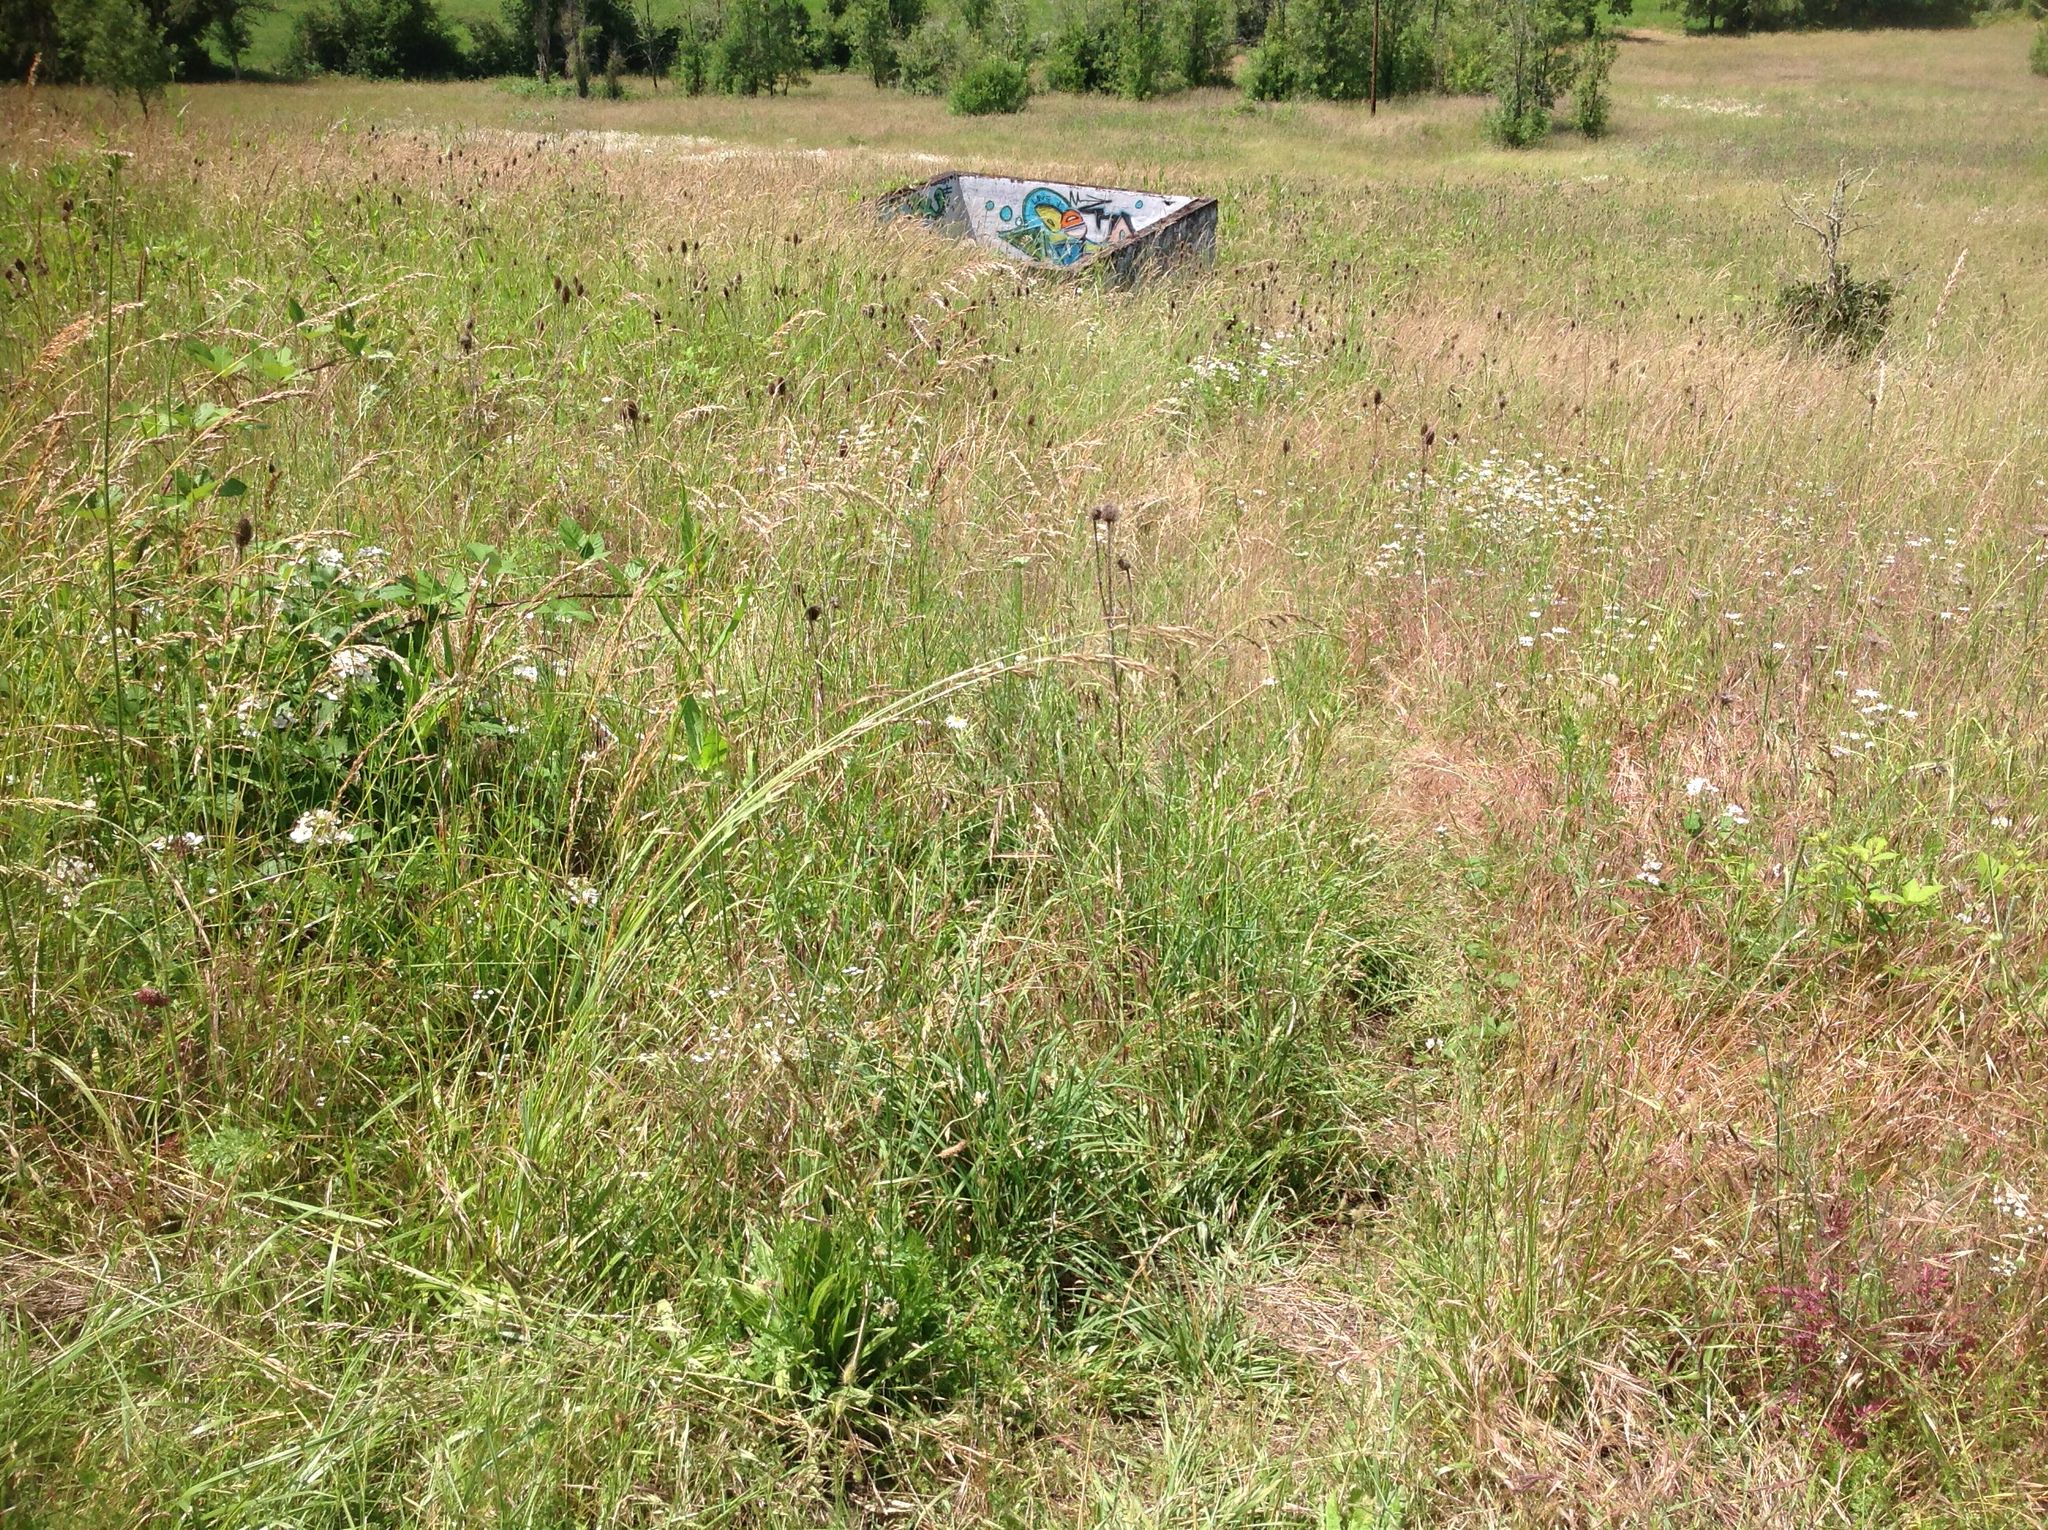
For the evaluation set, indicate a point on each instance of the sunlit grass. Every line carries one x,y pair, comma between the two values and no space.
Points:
660,923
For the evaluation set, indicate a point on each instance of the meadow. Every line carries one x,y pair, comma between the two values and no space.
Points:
671,857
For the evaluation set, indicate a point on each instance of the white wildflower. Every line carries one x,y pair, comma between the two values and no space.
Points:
320,828
353,666
71,875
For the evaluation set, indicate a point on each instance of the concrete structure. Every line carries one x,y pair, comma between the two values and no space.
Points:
1058,224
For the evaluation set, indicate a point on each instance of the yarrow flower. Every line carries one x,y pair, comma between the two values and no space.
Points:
255,712
72,874
353,666
320,828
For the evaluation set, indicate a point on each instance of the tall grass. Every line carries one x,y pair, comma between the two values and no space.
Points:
617,913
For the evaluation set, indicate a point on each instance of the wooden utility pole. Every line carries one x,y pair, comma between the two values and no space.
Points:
1374,88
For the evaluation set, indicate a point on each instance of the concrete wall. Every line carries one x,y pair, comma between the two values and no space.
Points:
1057,224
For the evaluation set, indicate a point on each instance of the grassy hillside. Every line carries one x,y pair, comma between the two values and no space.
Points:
672,857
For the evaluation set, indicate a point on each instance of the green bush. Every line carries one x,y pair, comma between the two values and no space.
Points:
1845,314
1201,42
496,51
696,44
384,39
123,49
1082,52
1517,129
1273,72
1141,64
1531,49
1591,104
930,57
1269,73
990,87
874,30
1323,49
763,46
2037,59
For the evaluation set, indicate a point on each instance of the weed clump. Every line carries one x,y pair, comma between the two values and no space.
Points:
845,1320
1836,311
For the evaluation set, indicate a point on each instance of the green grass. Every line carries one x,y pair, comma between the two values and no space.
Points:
623,906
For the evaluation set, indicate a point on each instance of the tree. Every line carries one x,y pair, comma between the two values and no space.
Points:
534,20
696,33
121,47
1202,42
1586,16
1141,51
228,20
650,38
762,46
384,39
1530,43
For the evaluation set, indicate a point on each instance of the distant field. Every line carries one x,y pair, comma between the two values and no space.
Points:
674,857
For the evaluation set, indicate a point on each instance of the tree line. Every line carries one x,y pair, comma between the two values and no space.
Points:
986,53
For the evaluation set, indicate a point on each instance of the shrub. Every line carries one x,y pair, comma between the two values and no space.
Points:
385,39
1201,42
581,40
929,58
763,46
1591,104
873,32
1847,313
989,87
696,36
1836,311
871,41
1517,129
1141,50
1529,53
123,49
1324,49
494,49
1273,72
2037,59
1081,56
1456,55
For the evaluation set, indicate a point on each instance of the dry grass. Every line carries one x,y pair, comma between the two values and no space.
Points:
1658,1069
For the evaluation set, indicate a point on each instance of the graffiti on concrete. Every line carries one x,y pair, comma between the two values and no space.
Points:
1060,224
